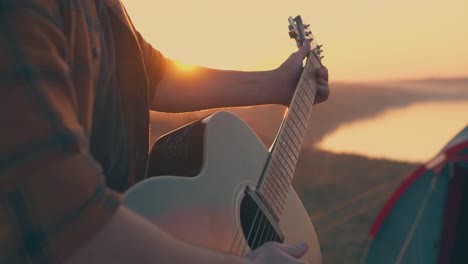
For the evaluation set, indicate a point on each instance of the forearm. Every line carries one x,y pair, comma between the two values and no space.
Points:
129,238
204,88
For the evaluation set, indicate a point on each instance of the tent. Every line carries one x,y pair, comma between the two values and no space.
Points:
426,219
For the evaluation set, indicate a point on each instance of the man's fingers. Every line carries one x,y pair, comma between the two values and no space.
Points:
295,251
323,75
304,50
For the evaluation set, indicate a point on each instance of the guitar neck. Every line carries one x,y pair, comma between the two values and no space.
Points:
285,150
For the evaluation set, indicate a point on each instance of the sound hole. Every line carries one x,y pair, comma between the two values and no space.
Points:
256,226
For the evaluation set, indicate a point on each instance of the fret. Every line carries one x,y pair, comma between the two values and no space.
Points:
284,161
266,193
311,89
296,149
291,130
273,193
295,141
309,102
292,159
286,176
282,170
284,179
285,182
309,85
278,174
273,202
306,95
300,108
299,105
277,198
291,163
305,105
278,190
296,116
288,162
302,99
292,152
285,140
294,127
309,81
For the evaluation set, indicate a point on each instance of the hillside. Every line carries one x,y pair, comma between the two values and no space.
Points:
343,194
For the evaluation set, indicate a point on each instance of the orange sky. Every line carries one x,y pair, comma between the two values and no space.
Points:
364,40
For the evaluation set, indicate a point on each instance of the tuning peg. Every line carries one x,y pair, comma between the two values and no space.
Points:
307,26
292,34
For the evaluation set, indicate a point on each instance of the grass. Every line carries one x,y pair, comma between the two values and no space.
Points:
343,194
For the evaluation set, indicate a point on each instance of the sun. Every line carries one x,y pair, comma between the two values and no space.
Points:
186,67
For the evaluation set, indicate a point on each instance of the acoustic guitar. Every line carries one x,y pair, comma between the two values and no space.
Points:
219,187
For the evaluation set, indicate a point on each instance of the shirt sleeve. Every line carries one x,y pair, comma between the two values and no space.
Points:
155,64
53,198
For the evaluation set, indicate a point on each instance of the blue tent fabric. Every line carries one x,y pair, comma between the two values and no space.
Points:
423,220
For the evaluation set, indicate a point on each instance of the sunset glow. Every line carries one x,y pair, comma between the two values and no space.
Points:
363,40
186,67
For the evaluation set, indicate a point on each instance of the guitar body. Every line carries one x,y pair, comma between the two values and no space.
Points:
210,208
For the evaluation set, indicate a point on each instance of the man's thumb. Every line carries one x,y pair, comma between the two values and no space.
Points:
295,251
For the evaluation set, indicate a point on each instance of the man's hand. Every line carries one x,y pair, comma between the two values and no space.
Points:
206,88
275,253
291,70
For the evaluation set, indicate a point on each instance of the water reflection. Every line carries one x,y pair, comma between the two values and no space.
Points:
413,133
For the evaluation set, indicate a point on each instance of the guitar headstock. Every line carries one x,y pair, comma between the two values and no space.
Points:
301,33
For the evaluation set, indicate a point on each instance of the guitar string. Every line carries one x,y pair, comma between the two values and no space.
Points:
262,233
282,163
251,228
296,124
275,205
258,228
271,185
281,176
278,176
248,237
272,201
250,231
296,137
234,242
271,193
273,234
275,188
256,232
284,192
262,227
288,158
270,237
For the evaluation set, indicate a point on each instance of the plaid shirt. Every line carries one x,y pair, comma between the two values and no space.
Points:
53,194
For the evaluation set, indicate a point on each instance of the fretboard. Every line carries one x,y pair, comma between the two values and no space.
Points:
279,172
